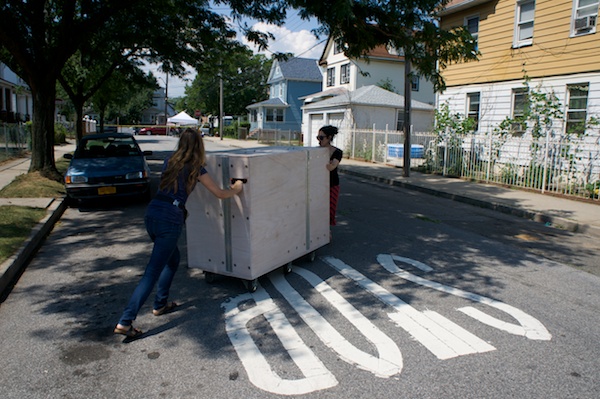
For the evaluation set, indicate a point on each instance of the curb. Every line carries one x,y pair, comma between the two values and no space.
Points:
14,266
539,217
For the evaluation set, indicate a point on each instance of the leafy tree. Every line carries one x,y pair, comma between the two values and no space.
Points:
38,38
113,97
386,84
244,82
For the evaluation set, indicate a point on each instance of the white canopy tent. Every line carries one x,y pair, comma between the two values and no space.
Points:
182,119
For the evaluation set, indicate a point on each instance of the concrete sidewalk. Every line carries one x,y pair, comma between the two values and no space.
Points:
563,213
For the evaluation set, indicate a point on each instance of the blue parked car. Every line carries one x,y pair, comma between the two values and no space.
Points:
107,165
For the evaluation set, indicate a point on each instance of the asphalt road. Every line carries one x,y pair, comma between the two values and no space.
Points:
416,297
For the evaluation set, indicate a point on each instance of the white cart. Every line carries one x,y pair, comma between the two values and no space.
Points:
281,215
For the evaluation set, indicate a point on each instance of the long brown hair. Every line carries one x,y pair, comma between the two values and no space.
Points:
190,153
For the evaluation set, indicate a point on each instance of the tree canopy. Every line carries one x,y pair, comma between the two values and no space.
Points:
37,38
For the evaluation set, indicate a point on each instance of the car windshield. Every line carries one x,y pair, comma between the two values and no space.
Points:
107,147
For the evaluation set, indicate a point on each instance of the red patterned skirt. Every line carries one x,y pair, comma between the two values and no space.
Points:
334,194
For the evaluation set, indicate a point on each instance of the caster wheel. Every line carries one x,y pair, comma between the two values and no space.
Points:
287,269
209,277
252,285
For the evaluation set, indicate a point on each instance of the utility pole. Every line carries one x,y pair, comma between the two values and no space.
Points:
406,128
166,97
221,102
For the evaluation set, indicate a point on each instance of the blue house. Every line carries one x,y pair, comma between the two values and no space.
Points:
288,81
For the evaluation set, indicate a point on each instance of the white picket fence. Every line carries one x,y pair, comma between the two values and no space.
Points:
554,165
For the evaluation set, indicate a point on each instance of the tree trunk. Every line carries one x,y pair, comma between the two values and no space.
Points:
42,135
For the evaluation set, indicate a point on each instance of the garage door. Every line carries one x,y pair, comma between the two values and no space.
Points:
316,122
336,119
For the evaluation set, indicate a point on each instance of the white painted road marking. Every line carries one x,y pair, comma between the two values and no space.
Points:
528,326
389,360
442,337
316,375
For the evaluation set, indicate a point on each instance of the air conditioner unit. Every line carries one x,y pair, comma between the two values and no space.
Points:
586,22
517,127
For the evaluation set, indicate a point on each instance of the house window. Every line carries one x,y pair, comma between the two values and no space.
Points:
345,74
472,24
253,115
524,23
281,89
585,14
577,107
338,48
274,115
473,108
330,77
520,103
414,84
400,120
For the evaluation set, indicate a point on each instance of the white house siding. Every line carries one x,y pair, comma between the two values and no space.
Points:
495,105
495,100
378,72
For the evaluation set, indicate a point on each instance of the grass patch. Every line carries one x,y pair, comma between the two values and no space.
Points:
16,223
34,185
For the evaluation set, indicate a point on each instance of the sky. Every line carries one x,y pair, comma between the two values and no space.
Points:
293,37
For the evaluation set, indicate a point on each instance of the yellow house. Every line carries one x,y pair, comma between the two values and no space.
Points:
553,42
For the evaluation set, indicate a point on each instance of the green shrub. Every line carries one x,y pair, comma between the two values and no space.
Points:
60,133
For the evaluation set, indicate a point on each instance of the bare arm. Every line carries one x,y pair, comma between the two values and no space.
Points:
217,191
333,164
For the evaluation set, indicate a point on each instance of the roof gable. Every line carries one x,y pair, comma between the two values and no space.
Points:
380,52
301,69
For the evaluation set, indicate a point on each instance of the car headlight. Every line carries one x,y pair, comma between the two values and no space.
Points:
134,175
75,179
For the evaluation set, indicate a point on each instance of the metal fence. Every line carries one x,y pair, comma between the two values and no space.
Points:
277,137
14,138
557,165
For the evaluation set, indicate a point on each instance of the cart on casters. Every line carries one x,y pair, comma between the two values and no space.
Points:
281,215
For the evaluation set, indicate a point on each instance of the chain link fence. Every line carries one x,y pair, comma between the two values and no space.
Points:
14,139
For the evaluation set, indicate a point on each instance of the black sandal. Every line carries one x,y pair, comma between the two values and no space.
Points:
168,308
130,332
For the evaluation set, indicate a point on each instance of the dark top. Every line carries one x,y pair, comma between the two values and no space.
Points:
334,178
165,210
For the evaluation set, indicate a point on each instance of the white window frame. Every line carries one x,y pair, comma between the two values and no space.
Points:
471,103
330,77
518,109
586,14
274,115
522,23
414,83
345,74
572,109
474,33
400,119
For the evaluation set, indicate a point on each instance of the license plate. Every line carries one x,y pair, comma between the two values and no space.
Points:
107,190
